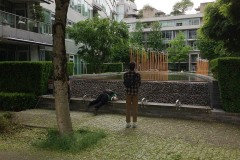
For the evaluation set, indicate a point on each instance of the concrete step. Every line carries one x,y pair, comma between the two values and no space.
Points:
80,104
202,113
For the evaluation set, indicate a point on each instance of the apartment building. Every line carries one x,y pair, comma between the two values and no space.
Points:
125,9
26,37
171,26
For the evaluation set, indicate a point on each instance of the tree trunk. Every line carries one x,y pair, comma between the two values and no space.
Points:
60,68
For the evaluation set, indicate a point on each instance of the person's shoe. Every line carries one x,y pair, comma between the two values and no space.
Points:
128,125
134,125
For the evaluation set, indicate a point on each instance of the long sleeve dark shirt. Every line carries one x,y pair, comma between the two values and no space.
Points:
134,89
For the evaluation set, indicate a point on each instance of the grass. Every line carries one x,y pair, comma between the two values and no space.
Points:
75,142
6,124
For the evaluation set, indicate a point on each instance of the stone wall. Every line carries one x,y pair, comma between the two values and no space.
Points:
190,93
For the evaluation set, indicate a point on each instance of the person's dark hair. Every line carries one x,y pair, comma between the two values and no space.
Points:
132,66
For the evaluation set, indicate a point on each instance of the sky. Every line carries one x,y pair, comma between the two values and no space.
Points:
167,5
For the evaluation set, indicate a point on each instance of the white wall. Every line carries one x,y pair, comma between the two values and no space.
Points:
71,15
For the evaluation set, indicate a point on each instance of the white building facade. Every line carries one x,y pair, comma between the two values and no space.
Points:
25,38
171,26
125,8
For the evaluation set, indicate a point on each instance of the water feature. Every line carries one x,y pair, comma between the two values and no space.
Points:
150,76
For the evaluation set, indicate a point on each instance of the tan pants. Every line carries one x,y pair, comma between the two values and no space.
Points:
131,108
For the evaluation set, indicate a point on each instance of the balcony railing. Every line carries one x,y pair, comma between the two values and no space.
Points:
24,23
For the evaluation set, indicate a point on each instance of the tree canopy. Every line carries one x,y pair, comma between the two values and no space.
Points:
136,37
178,50
209,48
181,7
222,24
99,38
155,37
146,6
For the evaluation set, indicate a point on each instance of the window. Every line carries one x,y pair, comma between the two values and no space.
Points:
195,21
193,45
167,35
178,24
167,23
192,34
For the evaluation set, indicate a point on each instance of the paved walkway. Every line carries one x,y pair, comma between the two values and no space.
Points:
154,138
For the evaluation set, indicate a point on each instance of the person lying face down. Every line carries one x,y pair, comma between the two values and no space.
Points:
102,99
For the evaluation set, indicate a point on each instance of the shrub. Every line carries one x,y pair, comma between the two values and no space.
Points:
214,67
19,78
27,77
16,101
106,67
79,140
229,78
6,125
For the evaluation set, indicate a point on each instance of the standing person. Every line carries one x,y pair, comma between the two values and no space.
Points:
132,81
102,99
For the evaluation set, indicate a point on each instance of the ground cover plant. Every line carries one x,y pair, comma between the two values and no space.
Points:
75,142
6,124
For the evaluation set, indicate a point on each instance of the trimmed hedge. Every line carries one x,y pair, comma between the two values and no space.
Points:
27,77
24,77
16,101
214,67
23,82
228,70
106,67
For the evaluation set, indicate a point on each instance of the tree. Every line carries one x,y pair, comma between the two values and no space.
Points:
136,37
178,50
209,48
222,24
121,53
60,68
140,12
147,6
99,38
155,37
181,7
37,12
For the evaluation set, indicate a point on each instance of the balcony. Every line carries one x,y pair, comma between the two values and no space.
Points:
17,28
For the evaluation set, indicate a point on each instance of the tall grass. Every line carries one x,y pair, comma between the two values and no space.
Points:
6,125
77,141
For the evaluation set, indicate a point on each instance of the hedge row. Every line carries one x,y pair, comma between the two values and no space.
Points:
27,77
16,101
106,67
228,75
214,67
23,81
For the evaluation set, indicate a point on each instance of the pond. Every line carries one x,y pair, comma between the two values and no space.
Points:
150,76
